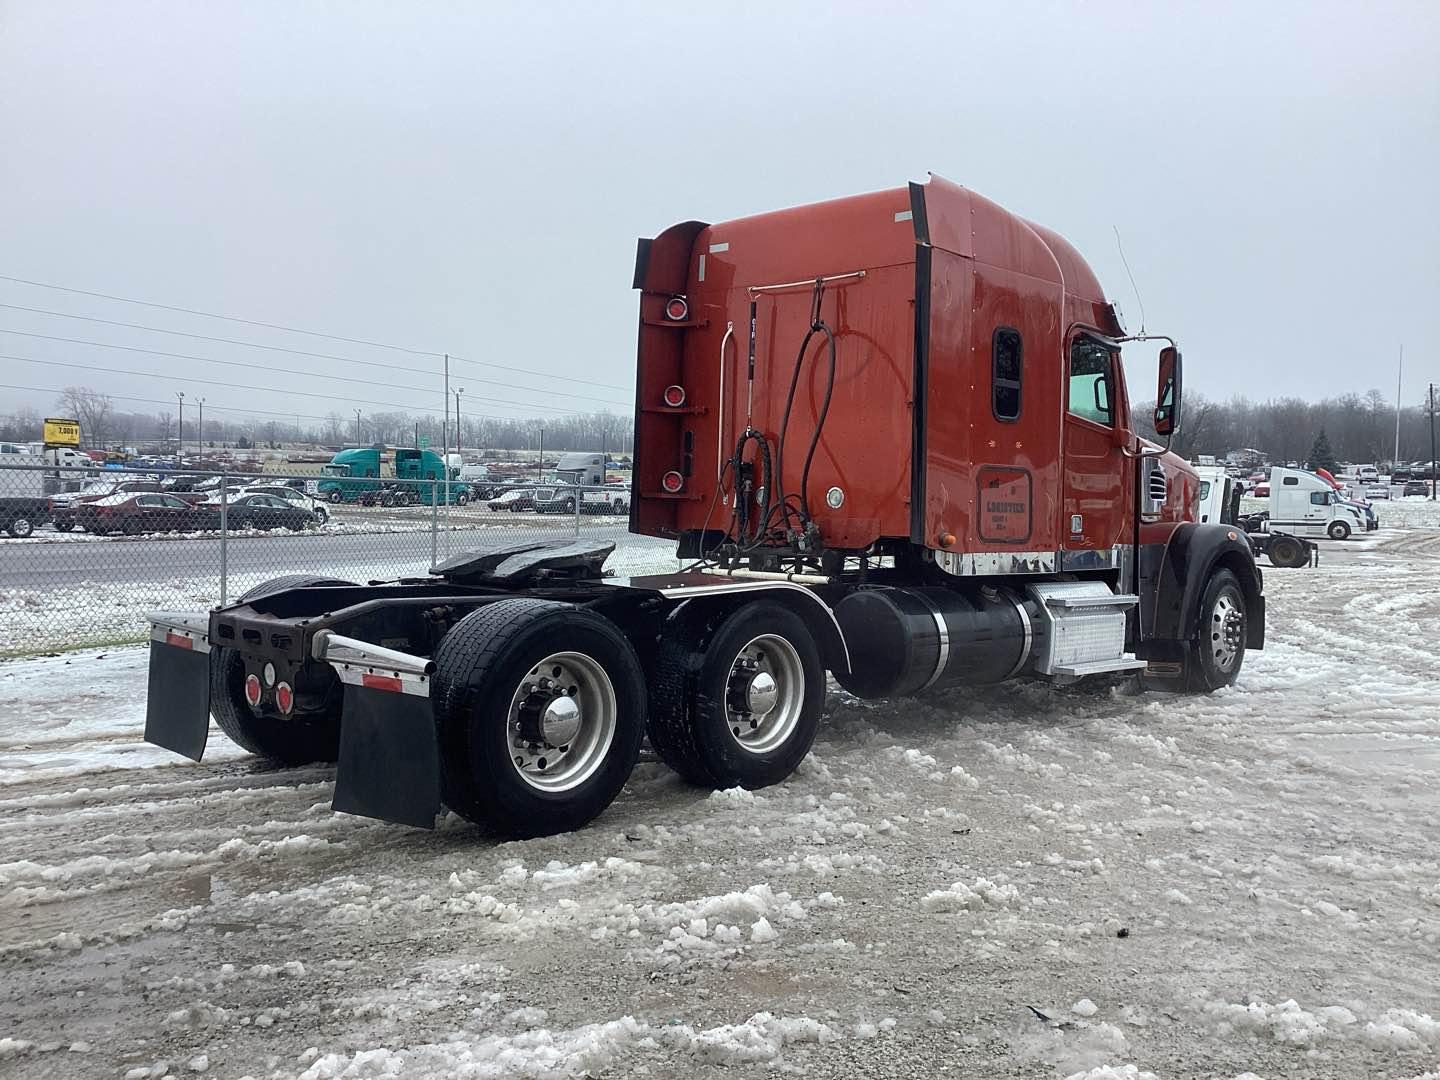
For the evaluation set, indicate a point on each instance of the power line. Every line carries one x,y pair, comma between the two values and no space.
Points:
252,367
291,329
282,349
169,402
189,379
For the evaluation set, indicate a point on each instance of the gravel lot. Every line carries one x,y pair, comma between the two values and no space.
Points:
1014,882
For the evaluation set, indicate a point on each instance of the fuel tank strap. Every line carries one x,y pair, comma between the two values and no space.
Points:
942,657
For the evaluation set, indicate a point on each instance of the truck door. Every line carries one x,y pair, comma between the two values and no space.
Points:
1096,503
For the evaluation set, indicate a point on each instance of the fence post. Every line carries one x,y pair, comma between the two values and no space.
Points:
579,501
434,521
224,539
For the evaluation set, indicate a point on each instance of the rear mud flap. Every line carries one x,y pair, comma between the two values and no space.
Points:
389,757
177,702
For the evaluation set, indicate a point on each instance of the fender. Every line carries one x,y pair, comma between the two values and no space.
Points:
1171,591
804,601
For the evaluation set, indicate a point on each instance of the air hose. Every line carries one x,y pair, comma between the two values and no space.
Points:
817,326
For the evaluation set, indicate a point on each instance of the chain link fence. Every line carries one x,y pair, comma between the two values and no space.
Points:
84,555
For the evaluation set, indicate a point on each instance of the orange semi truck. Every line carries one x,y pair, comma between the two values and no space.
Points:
890,435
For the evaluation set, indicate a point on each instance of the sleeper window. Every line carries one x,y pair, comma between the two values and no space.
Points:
1005,351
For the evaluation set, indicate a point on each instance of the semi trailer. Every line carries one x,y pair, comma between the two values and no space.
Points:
891,438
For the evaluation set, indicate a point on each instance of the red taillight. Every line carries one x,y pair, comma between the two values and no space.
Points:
674,396
180,641
676,309
672,481
382,682
252,690
284,697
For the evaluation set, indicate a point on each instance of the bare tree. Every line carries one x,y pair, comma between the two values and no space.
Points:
92,409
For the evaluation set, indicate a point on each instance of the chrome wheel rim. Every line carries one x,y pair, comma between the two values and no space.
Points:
561,722
764,694
1226,631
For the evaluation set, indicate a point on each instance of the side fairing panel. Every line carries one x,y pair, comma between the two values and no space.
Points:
990,482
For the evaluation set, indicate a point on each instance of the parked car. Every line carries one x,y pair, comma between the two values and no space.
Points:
1416,487
133,514
514,500
262,511
64,508
1377,491
19,516
293,497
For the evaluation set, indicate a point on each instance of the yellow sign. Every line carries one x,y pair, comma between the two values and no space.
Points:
62,432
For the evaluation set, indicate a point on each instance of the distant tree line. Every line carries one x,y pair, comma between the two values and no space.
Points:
104,426
1360,429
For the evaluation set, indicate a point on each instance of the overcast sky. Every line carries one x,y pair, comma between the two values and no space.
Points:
472,177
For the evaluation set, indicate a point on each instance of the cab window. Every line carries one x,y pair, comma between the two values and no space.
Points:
1092,379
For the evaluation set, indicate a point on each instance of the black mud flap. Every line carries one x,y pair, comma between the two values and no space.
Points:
389,757
177,702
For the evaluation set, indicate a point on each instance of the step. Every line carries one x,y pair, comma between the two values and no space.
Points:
1112,600
1098,667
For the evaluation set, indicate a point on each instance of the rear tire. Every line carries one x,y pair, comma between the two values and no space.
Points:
20,528
1287,552
1338,530
709,676
491,690
286,742
64,526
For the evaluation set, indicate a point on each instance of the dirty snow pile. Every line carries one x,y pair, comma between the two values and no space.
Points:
1012,881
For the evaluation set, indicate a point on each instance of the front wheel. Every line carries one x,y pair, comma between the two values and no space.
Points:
1217,647
541,709
736,700
461,499
1338,530
335,496
20,527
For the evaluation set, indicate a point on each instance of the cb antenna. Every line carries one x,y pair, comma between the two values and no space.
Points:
1126,263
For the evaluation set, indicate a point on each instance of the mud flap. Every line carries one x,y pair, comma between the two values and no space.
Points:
177,700
389,757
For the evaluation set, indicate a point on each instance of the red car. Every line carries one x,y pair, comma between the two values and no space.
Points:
64,508
145,512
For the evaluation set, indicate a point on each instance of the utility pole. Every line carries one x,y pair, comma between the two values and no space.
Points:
540,461
1399,383
458,440
200,437
180,426
445,435
1433,479
357,427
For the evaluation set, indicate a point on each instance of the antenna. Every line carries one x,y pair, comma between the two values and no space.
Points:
1120,247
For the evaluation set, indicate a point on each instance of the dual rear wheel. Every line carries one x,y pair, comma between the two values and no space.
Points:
541,707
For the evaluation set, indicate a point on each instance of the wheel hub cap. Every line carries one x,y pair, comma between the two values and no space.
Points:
762,694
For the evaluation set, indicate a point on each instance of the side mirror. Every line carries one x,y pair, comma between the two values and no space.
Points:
1167,395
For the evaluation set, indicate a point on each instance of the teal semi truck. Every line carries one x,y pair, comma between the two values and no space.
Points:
420,476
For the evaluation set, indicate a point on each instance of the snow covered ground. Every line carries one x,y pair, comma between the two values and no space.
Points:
1013,882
